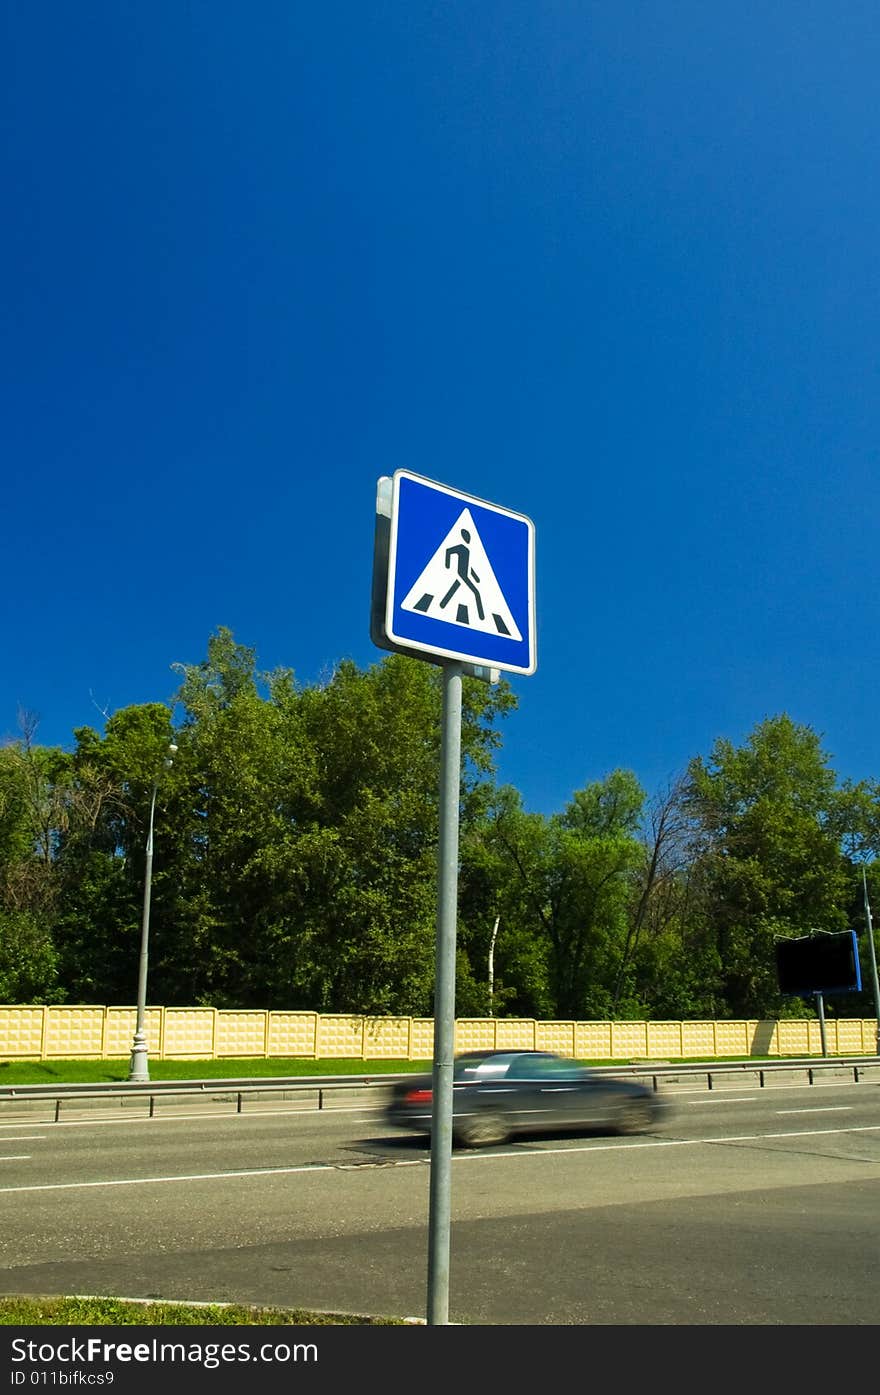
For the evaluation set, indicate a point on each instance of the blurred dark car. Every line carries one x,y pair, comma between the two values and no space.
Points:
497,1094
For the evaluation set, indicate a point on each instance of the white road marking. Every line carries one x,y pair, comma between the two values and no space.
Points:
189,1177
664,1143
729,1099
819,1109
750,1099
419,1162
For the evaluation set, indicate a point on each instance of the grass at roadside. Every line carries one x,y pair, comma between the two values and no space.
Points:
119,1312
102,1072
116,1071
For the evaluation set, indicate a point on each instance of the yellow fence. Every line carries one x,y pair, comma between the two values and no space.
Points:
194,1034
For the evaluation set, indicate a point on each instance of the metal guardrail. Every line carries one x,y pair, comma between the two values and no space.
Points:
321,1086
809,1065
177,1090
146,1087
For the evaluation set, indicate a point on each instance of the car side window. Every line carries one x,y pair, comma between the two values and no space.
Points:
533,1067
546,1068
527,1068
477,1068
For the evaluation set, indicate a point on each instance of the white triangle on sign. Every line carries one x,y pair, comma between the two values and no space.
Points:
459,586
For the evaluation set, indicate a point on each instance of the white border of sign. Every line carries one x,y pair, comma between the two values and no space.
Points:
475,643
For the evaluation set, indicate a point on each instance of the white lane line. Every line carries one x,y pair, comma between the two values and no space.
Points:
729,1099
487,1156
190,1177
750,1099
664,1143
795,1133
820,1109
17,1157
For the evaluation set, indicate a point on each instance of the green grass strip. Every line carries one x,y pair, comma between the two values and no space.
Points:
120,1312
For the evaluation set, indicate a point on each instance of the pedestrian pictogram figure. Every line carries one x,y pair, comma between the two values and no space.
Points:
462,553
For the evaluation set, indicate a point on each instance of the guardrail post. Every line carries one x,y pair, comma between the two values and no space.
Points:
238,1107
152,1104
320,1099
57,1110
709,1080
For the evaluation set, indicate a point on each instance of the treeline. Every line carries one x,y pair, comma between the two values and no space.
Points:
294,859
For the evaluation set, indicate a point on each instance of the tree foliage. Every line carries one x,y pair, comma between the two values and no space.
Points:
295,858
772,863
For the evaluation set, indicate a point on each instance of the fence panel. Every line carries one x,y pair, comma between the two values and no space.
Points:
190,1033
293,1034
80,1032
76,1033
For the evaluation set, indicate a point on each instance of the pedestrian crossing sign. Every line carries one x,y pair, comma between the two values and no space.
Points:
460,577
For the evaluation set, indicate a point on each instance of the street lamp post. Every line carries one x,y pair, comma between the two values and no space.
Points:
139,1067
873,955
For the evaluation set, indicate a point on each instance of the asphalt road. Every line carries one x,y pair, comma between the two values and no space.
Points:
750,1207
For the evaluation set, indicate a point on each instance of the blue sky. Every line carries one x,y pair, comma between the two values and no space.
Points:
608,264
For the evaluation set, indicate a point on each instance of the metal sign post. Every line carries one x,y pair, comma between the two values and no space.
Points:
453,584
820,1008
439,1214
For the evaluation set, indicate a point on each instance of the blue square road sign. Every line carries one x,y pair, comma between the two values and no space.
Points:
460,577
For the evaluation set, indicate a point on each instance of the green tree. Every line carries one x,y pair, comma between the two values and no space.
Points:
568,886
36,805
772,861
305,827
100,854
28,960
499,869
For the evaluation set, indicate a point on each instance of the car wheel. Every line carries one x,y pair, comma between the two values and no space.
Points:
634,1116
481,1130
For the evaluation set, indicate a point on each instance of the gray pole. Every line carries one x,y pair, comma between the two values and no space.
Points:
138,1066
492,966
873,953
138,1069
444,1000
820,1004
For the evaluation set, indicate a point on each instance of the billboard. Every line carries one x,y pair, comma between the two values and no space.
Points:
821,963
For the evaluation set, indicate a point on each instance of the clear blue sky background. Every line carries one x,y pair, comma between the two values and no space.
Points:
611,264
